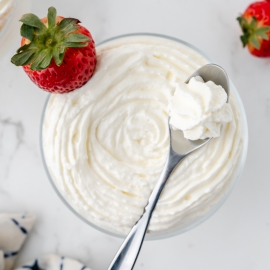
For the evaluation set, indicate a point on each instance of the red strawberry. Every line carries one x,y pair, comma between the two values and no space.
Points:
57,53
255,23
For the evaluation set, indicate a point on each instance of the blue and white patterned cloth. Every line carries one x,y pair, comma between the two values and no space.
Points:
54,262
14,229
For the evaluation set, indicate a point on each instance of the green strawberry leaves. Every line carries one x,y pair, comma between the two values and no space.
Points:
253,32
23,57
77,38
27,31
32,20
51,17
47,43
68,25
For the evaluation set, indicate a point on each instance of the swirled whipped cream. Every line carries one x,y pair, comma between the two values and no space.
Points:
199,109
6,9
106,143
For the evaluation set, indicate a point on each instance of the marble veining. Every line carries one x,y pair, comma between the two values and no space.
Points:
7,127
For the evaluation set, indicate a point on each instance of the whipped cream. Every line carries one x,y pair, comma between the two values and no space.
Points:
106,143
6,9
199,109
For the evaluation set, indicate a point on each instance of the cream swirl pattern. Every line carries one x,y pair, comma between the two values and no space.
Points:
105,144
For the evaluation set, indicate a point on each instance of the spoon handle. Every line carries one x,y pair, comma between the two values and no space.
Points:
127,254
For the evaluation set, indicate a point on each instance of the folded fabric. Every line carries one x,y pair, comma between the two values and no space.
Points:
54,262
2,262
14,229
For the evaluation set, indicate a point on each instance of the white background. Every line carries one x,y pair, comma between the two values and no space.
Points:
237,236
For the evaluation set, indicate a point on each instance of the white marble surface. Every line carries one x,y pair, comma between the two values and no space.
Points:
237,236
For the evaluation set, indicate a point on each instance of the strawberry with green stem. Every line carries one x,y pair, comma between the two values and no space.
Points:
57,53
255,24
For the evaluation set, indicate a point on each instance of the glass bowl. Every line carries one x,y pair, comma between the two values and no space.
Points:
10,33
173,231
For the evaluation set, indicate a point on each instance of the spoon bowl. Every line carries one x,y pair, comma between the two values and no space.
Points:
214,73
209,72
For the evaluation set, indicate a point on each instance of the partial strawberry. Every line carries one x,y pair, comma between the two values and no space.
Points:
255,24
57,53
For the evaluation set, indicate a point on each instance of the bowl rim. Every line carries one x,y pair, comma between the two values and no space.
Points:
8,21
175,232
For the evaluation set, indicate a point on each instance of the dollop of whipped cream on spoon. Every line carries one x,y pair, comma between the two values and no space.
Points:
199,109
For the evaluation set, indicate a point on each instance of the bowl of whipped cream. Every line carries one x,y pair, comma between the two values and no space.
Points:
105,144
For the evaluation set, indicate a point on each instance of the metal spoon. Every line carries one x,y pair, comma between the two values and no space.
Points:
179,148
